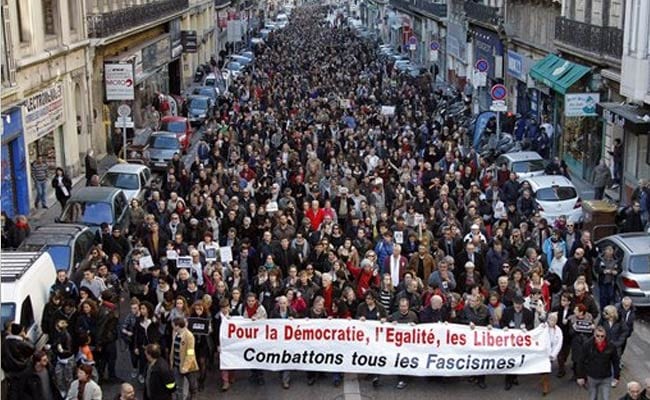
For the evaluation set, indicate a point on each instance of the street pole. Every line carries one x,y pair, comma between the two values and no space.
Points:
124,137
498,126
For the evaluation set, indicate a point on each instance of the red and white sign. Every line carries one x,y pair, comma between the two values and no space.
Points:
381,348
120,81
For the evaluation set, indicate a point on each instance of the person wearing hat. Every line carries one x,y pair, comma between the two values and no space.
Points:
517,317
468,278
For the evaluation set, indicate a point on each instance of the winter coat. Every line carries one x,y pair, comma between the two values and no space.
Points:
601,177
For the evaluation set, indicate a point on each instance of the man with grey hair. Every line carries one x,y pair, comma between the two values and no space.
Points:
634,391
436,312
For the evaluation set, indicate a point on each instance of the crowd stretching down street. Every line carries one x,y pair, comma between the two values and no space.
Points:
334,207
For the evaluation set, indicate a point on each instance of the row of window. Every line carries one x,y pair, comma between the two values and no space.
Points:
51,17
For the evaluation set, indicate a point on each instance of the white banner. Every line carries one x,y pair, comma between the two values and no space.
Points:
381,348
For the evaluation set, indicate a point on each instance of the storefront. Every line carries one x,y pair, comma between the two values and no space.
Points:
578,140
633,125
15,187
44,134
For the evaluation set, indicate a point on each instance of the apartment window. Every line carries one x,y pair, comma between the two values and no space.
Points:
73,14
49,16
24,25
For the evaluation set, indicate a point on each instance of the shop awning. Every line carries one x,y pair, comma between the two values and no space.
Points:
630,117
557,73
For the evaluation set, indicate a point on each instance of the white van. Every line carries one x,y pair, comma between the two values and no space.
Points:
26,278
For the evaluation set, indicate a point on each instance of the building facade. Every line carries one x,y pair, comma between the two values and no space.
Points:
46,93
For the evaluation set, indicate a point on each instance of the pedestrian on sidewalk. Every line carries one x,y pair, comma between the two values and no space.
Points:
40,176
91,165
601,178
62,186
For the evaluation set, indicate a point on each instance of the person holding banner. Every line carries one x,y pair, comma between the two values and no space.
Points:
517,317
283,311
371,310
404,315
475,314
254,310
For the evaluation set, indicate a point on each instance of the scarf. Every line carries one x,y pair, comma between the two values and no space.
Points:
600,346
251,311
80,391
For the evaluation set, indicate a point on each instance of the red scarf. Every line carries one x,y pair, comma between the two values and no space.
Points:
600,346
251,311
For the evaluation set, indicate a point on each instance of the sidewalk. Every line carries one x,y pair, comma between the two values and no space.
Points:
43,216
587,192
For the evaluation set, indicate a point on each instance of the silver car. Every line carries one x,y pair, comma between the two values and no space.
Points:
131,178
633,251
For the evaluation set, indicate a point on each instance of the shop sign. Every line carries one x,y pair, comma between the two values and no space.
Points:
156,54
581,104
190,41
516,65
488,46
119,80
43,112
456,40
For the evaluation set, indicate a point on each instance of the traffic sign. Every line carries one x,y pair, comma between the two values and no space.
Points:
498,92
413,40
435,46
124,122
499,106
482,65
124,110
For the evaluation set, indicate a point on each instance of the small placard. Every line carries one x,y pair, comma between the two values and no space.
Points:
418,219
226,254
399,237
184,262
211,253
198,326
172,254
272,206
146,262
388,110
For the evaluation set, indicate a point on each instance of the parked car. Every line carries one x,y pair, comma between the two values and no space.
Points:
181,127
219,85
92,206
131,178
26,280
161,148
525,164
556,195
234,68
137,147
248,54
198,109
67,244
244,61
632,250
207,91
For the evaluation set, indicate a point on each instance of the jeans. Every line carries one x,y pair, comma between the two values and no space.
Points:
607,295
64,374
180,384
41,193
596,386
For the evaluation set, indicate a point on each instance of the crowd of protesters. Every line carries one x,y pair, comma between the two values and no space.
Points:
330,209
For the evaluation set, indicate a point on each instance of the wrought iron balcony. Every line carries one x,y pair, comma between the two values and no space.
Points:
482,13
109,23
598,40
420,6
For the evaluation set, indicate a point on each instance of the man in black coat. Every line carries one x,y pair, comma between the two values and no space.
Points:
91,165
470,254
159,383
596,361
16,355
517,317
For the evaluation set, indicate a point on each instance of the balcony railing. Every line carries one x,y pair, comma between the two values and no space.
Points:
221,3
427,6
482,13
599,40
112,22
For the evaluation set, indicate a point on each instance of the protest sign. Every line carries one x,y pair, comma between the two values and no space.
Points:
388,110
211,253
184,262
146,262
226,254
374,348
198,326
